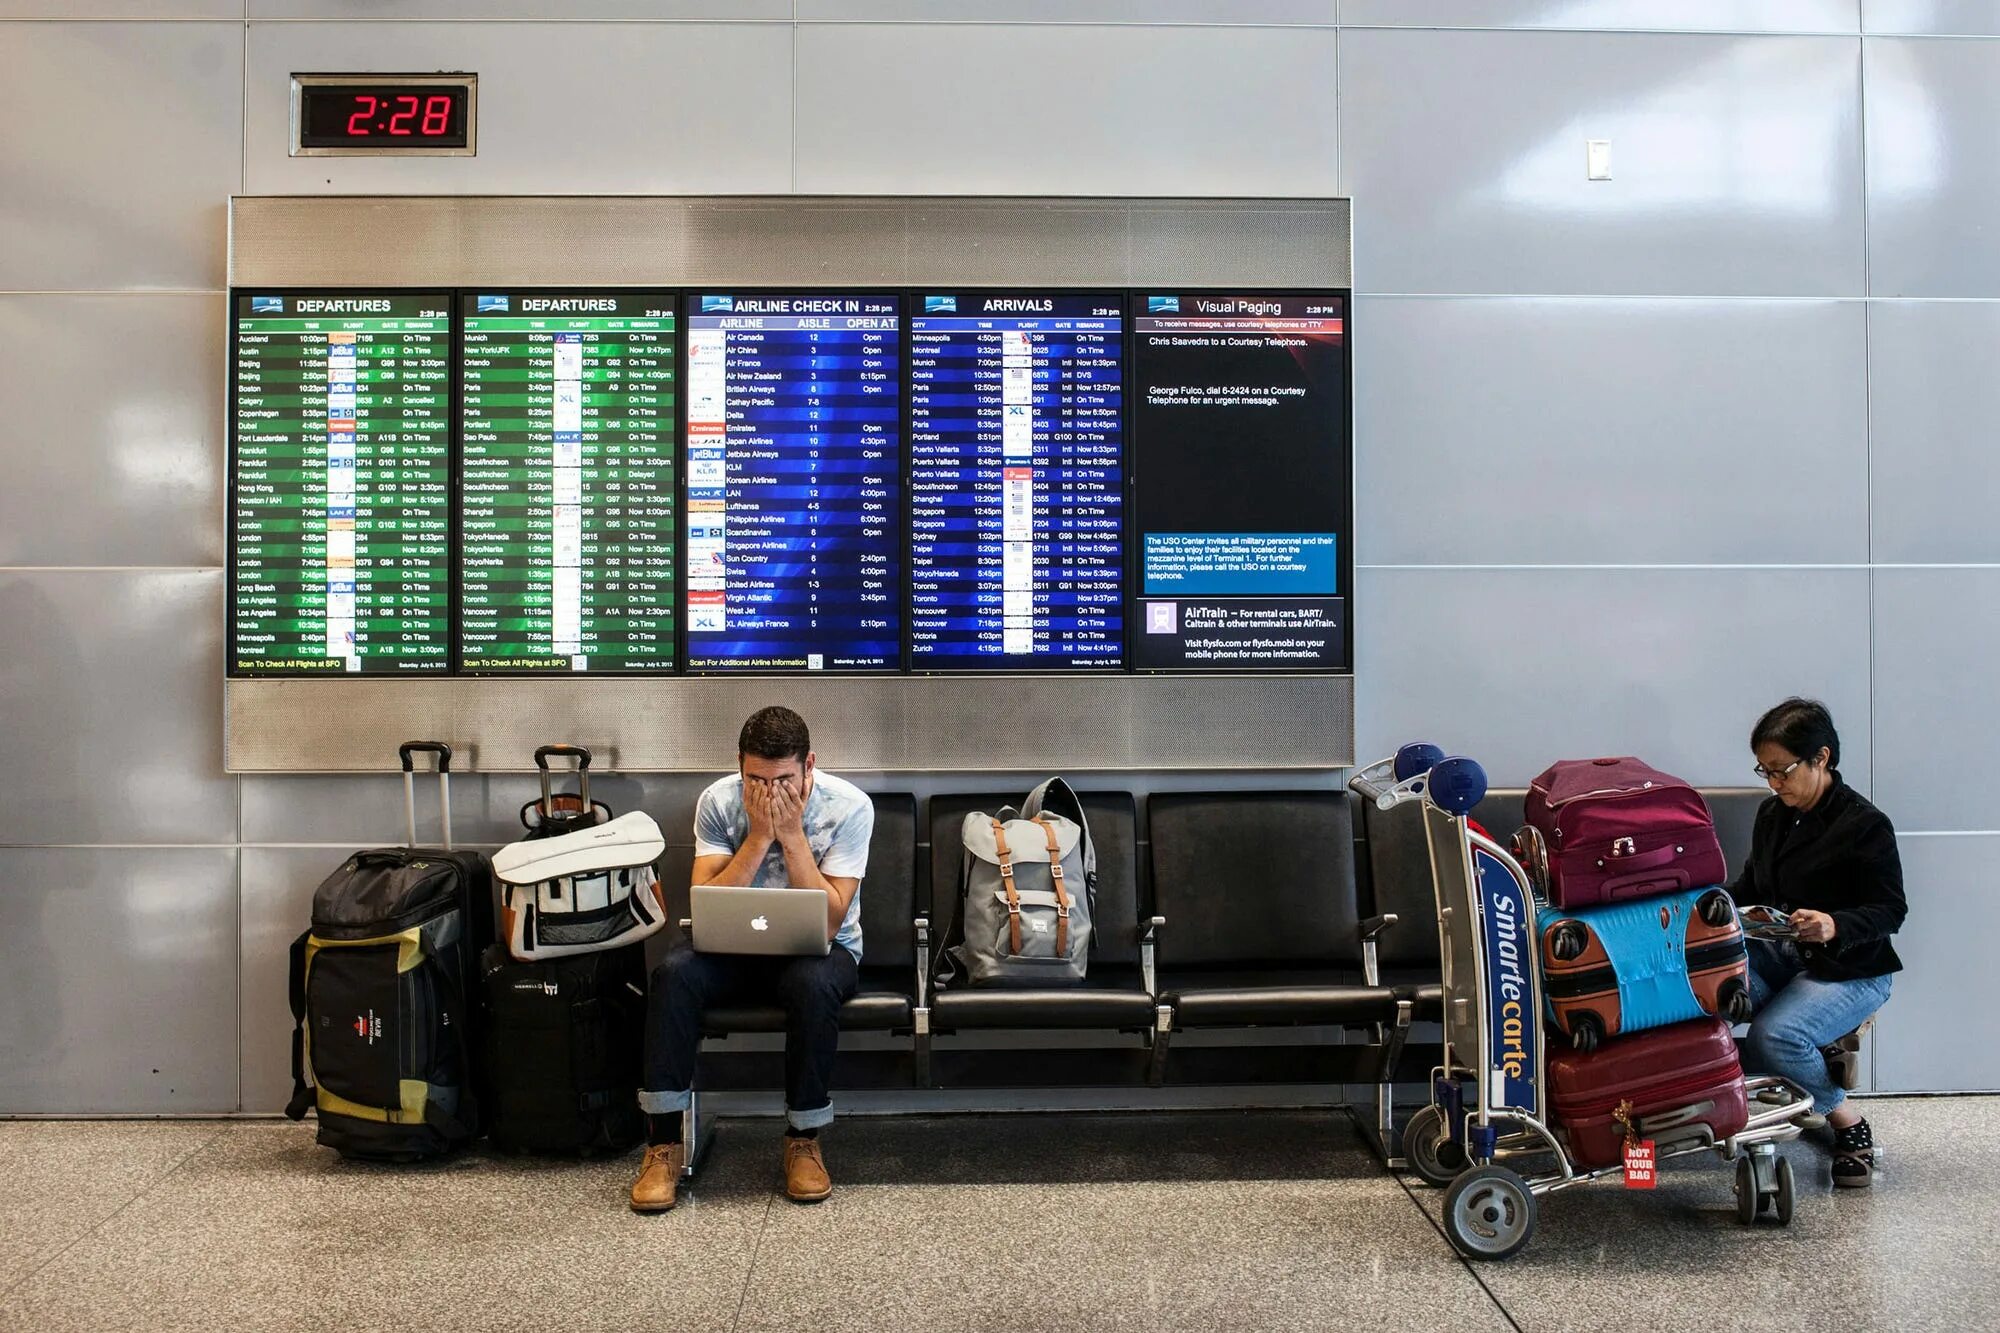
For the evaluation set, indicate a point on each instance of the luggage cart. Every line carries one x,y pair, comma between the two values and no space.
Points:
1485,1137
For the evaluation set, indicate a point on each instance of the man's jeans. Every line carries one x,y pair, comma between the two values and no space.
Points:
687,984
1797,1014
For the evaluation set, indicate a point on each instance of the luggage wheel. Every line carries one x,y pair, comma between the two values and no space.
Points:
1764,1180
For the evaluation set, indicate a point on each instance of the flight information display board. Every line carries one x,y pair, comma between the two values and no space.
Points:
794,455
1241,490
567,510
340,483
1017,555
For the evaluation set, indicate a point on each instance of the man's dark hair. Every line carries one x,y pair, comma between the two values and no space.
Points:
1802,726
774,733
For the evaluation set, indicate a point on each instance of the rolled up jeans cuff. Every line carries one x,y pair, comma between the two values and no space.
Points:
665,1103
818,1118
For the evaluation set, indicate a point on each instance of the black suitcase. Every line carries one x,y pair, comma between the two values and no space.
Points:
562,1051
384,1014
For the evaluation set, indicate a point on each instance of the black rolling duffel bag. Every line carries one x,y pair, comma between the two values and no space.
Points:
383,1009
562,1036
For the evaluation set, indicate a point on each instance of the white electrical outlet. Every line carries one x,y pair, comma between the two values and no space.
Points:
1597,158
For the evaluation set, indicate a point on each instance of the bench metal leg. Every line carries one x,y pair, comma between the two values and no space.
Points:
921,1054
1163,1034
696,1135
1381,1134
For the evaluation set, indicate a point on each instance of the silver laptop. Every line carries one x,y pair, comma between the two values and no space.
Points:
731,919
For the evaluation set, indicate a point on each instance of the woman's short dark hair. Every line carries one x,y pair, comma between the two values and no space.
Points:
1802,726
774,733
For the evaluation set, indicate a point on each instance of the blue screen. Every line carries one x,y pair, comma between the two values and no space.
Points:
1017,550
794,425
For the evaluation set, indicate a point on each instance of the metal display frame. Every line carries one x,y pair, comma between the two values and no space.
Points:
886,723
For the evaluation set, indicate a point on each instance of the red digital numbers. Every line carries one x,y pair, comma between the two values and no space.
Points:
437,115
396,125
407,115
356,125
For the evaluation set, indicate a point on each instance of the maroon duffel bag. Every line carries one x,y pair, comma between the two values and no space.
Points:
1618,829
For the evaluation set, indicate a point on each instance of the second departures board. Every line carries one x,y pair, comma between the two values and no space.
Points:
518,480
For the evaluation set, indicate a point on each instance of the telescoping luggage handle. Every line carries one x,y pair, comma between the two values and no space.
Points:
582,756
441,753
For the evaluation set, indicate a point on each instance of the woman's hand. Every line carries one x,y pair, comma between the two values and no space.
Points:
1813,927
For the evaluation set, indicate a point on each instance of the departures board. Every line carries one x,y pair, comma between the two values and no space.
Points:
621,480
340,483
567,501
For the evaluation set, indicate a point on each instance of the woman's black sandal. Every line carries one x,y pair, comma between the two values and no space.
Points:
1854,1156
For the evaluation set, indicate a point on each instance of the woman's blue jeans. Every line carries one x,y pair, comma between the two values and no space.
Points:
1796,1014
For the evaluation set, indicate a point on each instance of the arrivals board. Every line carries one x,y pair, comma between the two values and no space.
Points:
567,509
794,492
1241,489
340,483
1016,481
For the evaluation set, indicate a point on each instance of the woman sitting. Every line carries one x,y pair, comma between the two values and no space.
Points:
1825,858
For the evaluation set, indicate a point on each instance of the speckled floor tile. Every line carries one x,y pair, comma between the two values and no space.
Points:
263,1230
1064,1221
1919,1251
58,1179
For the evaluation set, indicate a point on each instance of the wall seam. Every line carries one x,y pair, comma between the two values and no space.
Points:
1868,450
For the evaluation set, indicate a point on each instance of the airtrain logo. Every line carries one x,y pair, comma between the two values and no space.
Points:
1163,305
493,305
940,305
710,304
267,305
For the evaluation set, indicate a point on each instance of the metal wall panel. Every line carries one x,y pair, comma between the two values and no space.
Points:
776,239
119,989
564,108
278,886
121,9
571,11
1967,17
1233,12
1065,110
1937,1034
1520,667
1933,166
110,693
1593,431
1933,398
1736,163
124,188
1937,636
1650,15
367,810
878,724
112,458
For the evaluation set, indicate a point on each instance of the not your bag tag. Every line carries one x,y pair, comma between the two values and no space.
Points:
1641,1167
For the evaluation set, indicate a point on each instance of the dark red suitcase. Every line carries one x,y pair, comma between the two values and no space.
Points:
1672,1078
1617,828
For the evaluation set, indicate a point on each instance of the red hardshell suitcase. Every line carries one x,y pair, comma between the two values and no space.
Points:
1617,829
1672,1078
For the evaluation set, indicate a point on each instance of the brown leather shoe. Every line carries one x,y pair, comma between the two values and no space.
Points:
659,1178
806,1180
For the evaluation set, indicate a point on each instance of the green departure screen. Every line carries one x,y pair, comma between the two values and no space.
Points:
567,518
340,505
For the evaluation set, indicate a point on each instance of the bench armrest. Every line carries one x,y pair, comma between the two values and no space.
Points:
1375,925
1146,934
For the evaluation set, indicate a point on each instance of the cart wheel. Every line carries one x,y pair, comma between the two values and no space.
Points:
1489,1213
1748,1202
1435,1158
1784,1197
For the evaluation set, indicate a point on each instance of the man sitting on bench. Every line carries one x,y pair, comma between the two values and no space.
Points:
778,822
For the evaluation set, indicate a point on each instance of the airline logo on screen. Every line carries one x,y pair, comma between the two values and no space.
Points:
267,305
710,304
940,305
493,305
1163,305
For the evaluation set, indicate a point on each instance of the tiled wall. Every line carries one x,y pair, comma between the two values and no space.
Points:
1635,457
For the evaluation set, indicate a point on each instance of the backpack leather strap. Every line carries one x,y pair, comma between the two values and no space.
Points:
1007,882
1056,878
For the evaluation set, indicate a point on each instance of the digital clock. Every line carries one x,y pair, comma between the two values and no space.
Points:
384,114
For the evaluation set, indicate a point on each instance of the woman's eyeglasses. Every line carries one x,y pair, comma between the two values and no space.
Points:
1779,773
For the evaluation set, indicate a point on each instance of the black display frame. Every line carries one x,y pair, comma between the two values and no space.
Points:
671,296
1345,550
862,291
447,666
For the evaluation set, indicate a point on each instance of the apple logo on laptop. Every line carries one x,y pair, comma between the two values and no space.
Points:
759,923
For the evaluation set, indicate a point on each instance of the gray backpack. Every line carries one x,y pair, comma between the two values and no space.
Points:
1029,890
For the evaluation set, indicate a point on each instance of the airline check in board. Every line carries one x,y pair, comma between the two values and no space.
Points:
799,481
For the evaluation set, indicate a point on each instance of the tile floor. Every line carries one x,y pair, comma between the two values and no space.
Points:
1048,1221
